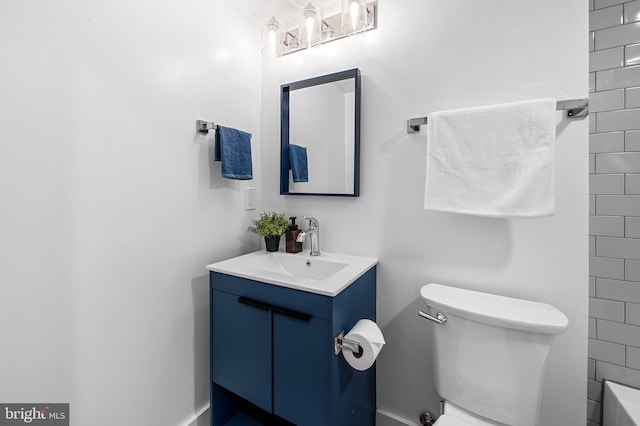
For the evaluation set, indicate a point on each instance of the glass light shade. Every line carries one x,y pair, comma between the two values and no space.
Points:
271,38
354,16
310,27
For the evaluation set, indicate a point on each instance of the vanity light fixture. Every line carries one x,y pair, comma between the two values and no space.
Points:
352,17
271,38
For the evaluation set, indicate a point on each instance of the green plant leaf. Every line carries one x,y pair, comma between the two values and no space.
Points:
270,224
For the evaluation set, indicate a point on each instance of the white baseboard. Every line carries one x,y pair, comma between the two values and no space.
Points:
193,420
385,418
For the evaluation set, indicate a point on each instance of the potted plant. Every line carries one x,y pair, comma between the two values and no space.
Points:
271,226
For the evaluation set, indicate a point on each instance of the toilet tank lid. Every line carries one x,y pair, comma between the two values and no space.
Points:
496,310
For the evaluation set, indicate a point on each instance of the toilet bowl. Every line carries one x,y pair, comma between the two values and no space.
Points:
490,354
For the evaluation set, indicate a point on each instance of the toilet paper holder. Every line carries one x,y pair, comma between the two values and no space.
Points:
340,343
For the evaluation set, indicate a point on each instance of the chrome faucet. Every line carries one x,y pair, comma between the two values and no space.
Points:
314,233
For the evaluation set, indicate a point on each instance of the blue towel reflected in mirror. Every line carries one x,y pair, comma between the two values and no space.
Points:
298,162
233,148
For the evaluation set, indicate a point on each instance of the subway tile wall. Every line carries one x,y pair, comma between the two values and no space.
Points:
614,188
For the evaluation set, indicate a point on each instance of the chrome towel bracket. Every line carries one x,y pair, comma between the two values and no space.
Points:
413,124
339,343
204,126
440,318
575,108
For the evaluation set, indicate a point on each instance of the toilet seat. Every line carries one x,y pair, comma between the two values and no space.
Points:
456,416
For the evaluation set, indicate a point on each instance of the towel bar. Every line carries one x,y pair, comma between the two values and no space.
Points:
575,108
204,126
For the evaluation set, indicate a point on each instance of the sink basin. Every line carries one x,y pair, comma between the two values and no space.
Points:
327,274
313,268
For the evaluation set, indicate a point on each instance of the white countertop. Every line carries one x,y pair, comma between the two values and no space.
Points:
327,274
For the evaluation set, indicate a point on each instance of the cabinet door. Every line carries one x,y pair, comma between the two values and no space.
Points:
302,350
241,347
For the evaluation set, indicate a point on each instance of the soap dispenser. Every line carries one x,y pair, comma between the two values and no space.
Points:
290,236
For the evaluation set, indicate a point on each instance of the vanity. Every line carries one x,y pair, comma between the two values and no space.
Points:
273,320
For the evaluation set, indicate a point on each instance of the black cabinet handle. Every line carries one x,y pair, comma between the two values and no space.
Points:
253,303
275,309
290,313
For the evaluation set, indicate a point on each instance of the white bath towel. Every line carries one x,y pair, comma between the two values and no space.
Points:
495,161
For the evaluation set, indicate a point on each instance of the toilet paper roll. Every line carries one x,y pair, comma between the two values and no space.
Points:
370,338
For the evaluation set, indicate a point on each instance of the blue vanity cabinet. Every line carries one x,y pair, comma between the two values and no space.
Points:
272,354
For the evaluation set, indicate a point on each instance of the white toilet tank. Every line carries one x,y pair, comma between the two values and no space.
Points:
490,354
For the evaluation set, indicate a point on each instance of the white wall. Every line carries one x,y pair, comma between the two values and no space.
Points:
109,205
433,55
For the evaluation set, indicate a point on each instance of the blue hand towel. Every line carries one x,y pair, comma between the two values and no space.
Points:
298,162
233,148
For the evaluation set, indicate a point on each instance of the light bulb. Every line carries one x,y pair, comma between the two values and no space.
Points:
309,24
272,39
354,9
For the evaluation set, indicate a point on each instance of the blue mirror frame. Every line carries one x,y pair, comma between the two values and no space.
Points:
285,91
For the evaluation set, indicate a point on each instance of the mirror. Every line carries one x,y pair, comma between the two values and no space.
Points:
320,135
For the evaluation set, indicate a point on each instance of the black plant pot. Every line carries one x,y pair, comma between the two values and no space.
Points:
272,243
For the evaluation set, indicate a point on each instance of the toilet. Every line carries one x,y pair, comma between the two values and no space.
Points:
490,354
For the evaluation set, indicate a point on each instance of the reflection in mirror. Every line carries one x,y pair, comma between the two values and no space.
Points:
320,135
